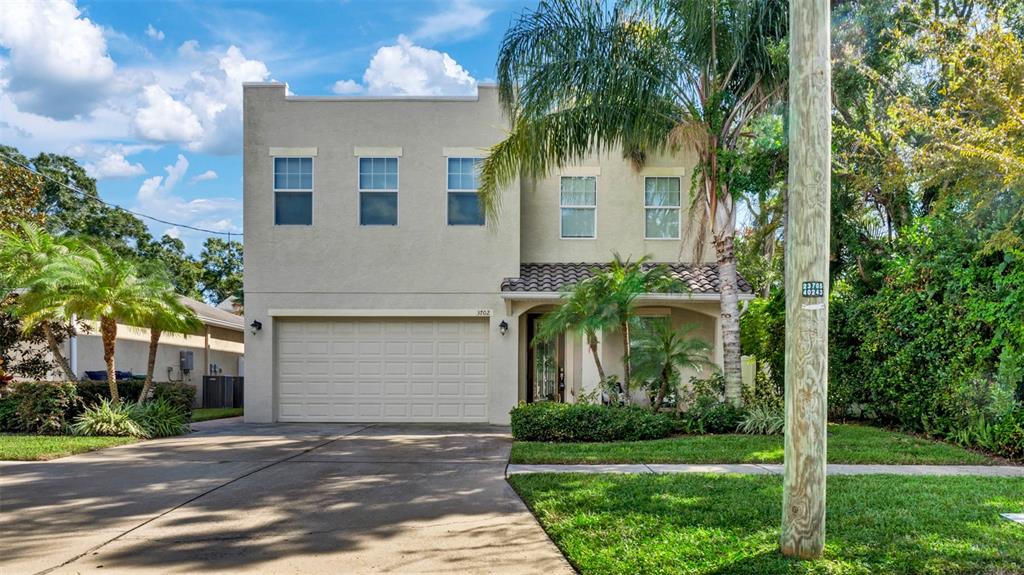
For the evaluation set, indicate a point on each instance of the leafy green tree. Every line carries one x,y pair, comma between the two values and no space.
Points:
643,77
221,262
661,351
182,269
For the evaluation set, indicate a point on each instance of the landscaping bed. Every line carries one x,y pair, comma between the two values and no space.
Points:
694,524
846,444
25,447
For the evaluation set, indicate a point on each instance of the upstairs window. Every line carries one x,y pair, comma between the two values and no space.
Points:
661,208
293,191
378,191
578,204
464,207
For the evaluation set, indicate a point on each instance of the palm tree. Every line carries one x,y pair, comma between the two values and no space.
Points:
165,313
579,312
643,77
660,352
25,250
100,286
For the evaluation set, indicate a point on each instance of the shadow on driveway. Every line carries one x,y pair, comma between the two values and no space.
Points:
290,498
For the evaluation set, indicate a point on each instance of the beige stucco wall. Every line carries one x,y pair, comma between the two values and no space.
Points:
619,213
422,264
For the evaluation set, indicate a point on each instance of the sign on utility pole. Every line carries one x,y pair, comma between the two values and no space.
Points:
807,258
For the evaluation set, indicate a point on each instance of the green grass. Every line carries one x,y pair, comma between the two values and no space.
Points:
16,447
846,444
703,524
208,413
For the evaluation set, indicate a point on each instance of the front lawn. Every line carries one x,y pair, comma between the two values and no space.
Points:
17,447
697,524
846,444
208,413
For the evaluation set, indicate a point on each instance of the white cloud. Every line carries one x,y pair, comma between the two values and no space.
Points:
114,165
413,70
204,177
59,65
156,196
155,34
347,87
463,19
173,232
164,119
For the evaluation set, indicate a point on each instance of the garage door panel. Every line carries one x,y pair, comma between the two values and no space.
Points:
394,369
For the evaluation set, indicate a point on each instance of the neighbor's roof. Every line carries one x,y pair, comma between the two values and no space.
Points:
213,316
553,278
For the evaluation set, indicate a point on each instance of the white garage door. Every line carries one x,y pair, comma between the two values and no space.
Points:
382,370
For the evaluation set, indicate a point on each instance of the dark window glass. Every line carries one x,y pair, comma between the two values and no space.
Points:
293,208
464,209
378,209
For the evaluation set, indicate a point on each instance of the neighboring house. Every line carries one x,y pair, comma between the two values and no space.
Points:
230,304
217,349
381,294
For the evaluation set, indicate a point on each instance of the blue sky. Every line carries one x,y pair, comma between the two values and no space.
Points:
147,94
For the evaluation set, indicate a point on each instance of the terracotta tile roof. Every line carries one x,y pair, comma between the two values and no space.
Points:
701,279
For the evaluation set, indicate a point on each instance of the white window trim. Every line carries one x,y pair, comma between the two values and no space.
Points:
448,190
561,233
312,178
361,191
678,208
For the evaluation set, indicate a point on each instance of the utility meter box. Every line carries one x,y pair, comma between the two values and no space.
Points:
185,360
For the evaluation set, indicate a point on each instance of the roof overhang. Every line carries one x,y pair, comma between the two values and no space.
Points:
652,297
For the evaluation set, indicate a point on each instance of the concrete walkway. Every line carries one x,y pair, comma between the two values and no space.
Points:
285,498
774,469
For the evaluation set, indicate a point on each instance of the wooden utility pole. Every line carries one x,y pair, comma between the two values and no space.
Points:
807,258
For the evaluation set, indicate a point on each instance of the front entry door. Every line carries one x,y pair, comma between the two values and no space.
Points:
546,375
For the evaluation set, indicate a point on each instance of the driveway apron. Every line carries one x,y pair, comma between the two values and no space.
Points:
283,498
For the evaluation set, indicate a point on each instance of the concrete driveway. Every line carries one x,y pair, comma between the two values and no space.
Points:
286,498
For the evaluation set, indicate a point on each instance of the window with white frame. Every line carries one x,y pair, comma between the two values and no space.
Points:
293,191
577,200
378,191
661,208
464,207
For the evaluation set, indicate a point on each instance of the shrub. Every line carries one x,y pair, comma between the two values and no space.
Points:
180,394
564,422
9,414
708,415
106,418
41,406
161,418
763,420
1009,435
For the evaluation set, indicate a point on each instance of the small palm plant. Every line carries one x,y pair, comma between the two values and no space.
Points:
165,314
578,312
660,351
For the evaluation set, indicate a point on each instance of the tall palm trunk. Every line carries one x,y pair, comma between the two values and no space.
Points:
626,372
108,332
58,355
154,341
592,343
730,318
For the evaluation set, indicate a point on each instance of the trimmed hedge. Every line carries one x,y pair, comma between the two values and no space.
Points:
568,422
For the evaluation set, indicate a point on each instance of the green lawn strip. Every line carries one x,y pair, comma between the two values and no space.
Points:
16,447
208,413
846,444
697,524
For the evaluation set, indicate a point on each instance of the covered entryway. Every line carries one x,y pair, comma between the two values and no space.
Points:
382,369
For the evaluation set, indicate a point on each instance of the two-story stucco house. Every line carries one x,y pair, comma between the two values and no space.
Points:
381,291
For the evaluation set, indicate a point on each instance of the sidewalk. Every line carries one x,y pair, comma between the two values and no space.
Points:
774,469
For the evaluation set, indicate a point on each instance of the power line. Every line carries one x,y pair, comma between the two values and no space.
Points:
115,206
